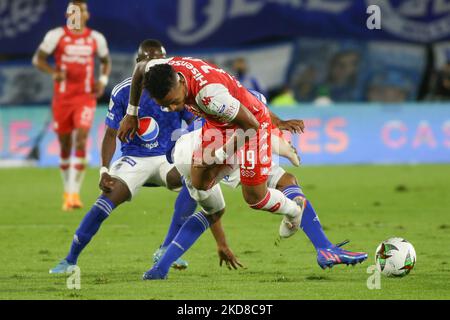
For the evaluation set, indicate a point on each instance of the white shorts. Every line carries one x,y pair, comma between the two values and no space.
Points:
233,180
213,198
185,147
211,201
137,171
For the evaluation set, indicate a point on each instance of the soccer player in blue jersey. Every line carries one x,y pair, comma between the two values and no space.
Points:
143,162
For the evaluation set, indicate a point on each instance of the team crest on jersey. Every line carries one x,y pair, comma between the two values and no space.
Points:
148,129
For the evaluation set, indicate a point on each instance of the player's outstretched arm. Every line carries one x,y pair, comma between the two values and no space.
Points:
294,126
129,125
225,253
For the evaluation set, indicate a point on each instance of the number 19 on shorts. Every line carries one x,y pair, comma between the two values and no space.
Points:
249,157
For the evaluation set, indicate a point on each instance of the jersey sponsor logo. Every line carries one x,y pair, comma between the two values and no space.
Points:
78,50
148,129
198,76
222,109
150,145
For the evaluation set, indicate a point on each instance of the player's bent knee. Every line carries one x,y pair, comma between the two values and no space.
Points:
173,179
201,185
213,218
286,180
119,192
254,197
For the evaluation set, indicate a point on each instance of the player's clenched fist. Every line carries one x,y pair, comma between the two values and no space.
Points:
99,89
59,76
128,128
106,182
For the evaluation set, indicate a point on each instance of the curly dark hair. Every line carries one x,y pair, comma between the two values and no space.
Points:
159,80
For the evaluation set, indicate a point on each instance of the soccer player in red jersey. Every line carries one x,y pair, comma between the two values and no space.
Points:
74,48
226,105
238,125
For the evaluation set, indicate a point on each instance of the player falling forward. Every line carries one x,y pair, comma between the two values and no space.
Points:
227,106
279,179
143,162
75,91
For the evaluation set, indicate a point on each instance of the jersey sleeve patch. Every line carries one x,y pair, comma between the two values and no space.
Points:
215,99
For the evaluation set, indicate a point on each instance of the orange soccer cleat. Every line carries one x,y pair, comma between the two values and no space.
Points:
76,201
67,202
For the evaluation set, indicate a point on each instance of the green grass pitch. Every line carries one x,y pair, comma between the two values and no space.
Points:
366,204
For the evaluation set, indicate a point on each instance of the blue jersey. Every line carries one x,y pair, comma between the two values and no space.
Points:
155,125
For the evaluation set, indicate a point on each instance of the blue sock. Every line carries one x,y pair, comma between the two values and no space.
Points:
310,223
184,207
89,227
191,230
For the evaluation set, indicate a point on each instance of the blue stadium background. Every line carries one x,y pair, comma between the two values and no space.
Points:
368,96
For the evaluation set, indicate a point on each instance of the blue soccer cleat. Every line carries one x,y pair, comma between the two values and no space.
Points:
328,257
63,267
179,264
154,274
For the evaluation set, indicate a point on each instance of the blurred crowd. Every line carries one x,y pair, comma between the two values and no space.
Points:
346,76
321,72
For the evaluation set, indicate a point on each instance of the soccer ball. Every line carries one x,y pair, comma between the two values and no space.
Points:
395,257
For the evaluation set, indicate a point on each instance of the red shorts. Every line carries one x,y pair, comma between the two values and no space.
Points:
254,159
68,116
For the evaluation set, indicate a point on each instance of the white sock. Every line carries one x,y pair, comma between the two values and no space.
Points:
78,170
64,166
276,202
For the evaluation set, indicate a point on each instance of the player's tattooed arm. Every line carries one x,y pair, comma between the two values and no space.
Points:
40,61
129,124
